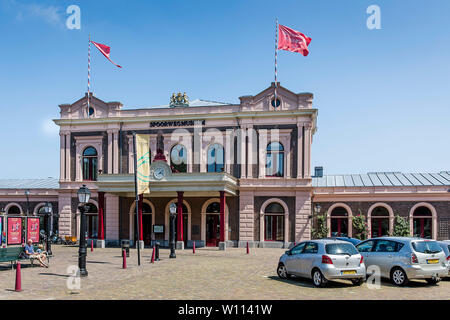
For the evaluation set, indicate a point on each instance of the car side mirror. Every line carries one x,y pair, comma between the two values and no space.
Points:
288,252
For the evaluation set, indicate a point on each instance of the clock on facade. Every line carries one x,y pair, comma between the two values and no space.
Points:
159,173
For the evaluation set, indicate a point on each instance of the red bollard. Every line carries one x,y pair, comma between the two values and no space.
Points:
124,255
248,249
92,245
153,254
193,248
18,278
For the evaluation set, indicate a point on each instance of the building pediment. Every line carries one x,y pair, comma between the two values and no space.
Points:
99,108
289,100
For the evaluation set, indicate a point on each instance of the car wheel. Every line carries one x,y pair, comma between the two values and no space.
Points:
282,272
357,282
399,277
318,278
433,281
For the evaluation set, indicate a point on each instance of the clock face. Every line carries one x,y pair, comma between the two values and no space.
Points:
159,173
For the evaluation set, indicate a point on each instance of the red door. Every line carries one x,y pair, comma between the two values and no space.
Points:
212,230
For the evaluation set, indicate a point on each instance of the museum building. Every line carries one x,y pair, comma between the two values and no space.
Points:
238,173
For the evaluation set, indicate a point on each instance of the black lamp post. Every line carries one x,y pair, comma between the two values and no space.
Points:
48,209
27,193
173,215
83,197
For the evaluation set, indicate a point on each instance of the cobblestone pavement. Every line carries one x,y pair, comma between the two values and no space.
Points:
209,274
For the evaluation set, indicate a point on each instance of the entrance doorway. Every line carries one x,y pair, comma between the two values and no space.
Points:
212,230
147,229
185,227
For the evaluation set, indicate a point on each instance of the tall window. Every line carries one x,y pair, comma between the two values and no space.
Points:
274,222
380,222
178,158
422,223
216,158
339,222
92,221
90,160
275,160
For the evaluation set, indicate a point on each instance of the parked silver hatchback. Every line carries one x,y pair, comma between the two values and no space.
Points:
404,258
323,260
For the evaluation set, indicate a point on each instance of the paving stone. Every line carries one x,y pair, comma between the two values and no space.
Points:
207,274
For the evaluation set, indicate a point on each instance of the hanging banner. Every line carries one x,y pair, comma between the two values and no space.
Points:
14,230
143,163
1,230
33,229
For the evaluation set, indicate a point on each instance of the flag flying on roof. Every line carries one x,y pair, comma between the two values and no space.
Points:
105,50
143,163
292,40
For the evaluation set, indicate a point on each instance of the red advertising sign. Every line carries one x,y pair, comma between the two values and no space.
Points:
14,230
33,229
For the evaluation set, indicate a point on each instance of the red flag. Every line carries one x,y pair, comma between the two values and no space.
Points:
292,40
105,51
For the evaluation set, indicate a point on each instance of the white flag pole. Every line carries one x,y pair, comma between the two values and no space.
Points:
276,54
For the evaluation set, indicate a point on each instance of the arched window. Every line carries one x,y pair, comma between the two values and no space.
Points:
213,208
274,222
92,221
339,222
178,158
380,222
216,158
90,162
422,223
13,210
275,160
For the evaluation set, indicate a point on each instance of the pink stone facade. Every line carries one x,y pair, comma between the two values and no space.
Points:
266,178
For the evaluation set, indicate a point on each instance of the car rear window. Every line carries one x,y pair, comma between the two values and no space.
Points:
426,246
340,248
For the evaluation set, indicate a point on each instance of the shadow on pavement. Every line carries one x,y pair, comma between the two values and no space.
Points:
54,274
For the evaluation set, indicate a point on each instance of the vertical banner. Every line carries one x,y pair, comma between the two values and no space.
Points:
143,163
14,230
1,230
33,229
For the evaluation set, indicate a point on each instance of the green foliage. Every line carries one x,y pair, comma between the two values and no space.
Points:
360,227
401,227
321,230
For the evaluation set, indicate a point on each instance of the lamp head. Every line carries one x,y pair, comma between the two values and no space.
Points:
173,208
84,194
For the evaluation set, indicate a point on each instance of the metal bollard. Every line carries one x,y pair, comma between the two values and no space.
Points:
124,263
157,251
18,278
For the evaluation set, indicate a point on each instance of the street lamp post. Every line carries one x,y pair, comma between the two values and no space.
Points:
27,193
48,209
173,214
83,197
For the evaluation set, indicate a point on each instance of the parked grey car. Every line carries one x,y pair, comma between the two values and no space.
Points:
445,245
404,258
323,260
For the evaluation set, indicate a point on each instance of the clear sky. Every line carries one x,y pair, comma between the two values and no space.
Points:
383,95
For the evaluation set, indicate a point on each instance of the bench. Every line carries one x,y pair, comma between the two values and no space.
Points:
12,254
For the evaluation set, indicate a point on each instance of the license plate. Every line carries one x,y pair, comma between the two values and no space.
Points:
348,272
432,261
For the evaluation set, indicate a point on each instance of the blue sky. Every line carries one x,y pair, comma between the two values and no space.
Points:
383,95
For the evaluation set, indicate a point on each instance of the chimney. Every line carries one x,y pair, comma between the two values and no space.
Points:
318,172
